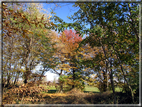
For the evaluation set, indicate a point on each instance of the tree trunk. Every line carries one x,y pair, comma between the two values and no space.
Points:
60,83
112,86
61,87
40,78
132,94
25,81
15,80
25,77
73,86
8,81
105,82
17,76
112,83
105,73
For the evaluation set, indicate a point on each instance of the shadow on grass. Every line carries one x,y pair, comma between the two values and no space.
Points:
54,91
90,91
51,91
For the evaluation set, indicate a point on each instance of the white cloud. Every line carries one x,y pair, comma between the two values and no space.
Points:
51,76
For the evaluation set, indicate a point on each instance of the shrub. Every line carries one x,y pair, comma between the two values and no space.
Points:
18,94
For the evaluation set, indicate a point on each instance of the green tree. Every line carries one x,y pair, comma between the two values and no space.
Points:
118,26
114,27
67,43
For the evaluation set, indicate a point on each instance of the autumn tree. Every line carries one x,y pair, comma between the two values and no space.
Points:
69,58
27,28
114,29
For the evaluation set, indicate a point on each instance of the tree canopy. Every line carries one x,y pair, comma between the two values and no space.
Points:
114,30
105,55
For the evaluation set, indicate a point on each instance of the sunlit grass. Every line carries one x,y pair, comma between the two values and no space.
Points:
91,89
87,89
117,89
52,88
95,89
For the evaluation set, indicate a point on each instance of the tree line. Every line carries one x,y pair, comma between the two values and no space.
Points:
107,57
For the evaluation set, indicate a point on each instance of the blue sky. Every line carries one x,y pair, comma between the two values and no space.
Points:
65,10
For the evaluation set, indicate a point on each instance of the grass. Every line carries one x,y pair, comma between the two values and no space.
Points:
87,89
117,89
91,89
52,88
96,90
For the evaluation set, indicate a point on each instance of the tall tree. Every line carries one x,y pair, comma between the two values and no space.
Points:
68,43
28,26
114,27
116,23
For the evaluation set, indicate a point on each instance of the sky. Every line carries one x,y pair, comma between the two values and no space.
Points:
65,10
62,10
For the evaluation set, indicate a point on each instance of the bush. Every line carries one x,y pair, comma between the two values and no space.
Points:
100,85
67,81
18,94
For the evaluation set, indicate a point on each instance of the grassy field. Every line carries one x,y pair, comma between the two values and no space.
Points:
91,89
95,89
87,89
117,89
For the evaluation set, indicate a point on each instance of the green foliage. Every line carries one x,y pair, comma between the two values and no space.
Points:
114,28
68,82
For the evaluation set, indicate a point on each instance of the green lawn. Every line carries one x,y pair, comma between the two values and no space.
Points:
117,89
87,89
52,88
90,88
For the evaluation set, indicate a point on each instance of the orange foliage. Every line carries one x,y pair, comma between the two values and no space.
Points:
70,38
